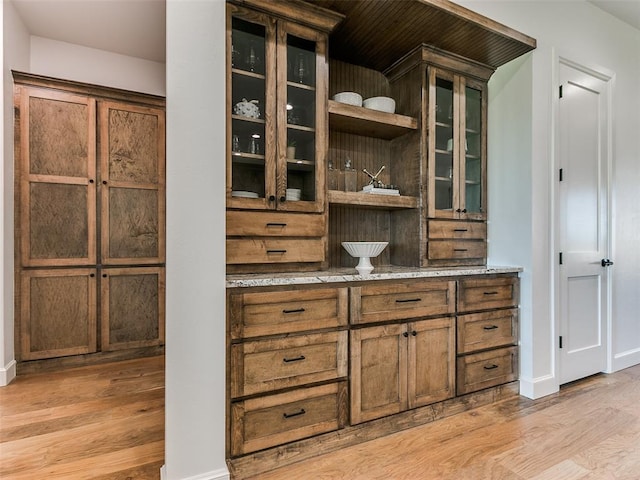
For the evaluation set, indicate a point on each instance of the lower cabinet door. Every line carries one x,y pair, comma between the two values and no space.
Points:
271,420
57,313
378,372
132,307
431,366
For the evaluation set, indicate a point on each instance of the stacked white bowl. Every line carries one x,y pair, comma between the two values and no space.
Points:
293,194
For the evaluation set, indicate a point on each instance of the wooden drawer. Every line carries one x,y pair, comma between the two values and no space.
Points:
456,249
275,224
486,369
271,420
488,293
481,331
420,298
452,229
275,250
267,365
286,311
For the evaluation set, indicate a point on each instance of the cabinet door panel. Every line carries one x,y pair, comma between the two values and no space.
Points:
378,372
58,224
58,313
134,226
57,168
431,370
132,152
132,309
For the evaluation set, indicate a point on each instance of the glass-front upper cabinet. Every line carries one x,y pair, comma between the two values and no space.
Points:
276,134
457,147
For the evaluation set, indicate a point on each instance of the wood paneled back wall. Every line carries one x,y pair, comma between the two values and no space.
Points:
401,158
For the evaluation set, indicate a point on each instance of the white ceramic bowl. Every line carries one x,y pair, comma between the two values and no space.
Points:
382,104
350,98
364,249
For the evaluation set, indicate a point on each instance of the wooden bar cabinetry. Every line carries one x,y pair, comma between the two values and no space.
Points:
313,367
90,197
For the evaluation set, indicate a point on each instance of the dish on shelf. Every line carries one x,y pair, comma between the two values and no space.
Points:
244,194
364,250
350,98
382,104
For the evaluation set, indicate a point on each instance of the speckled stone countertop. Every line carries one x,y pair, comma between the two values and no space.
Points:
351,275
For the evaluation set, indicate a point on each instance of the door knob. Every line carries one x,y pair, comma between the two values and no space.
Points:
605,262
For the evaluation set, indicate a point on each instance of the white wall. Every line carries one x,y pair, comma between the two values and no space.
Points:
15,55
83,64
583,33
195,351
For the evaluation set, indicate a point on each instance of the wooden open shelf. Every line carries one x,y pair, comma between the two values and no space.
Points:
367,122
390,202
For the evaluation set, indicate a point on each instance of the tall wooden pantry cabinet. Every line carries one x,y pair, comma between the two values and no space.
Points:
90,221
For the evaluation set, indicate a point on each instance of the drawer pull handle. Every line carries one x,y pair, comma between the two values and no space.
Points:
407,300
274,224
490,293
294,414
276,251
295,310
460,230
459,249
490,367
296,359
405,334
414,333
490,327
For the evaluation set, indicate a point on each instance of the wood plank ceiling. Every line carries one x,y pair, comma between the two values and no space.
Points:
377,33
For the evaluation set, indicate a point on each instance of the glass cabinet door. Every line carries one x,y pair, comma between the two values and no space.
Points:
473,167
443,145
301,94
252,155
457,147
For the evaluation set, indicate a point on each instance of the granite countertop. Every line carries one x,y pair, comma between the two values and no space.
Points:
351,275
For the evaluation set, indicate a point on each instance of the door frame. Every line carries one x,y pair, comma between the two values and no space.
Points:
608,76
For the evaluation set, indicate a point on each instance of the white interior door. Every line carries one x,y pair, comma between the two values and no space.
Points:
583,133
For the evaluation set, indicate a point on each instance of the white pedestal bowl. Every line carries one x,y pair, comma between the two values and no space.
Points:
365,251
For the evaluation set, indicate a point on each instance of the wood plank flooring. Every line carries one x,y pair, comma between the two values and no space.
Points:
98,422
107,422
590,430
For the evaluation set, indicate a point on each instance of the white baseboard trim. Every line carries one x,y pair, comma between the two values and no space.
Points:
220,474
625,360
7,373
538,387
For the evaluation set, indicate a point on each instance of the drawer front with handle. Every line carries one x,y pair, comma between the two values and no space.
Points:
450,229
482,331
488,293
275,250
420,298
267,365
286,311
456,249
271,420
477,371
274,224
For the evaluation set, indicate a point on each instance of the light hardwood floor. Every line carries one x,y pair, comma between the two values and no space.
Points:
107,422
590,430
100,422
